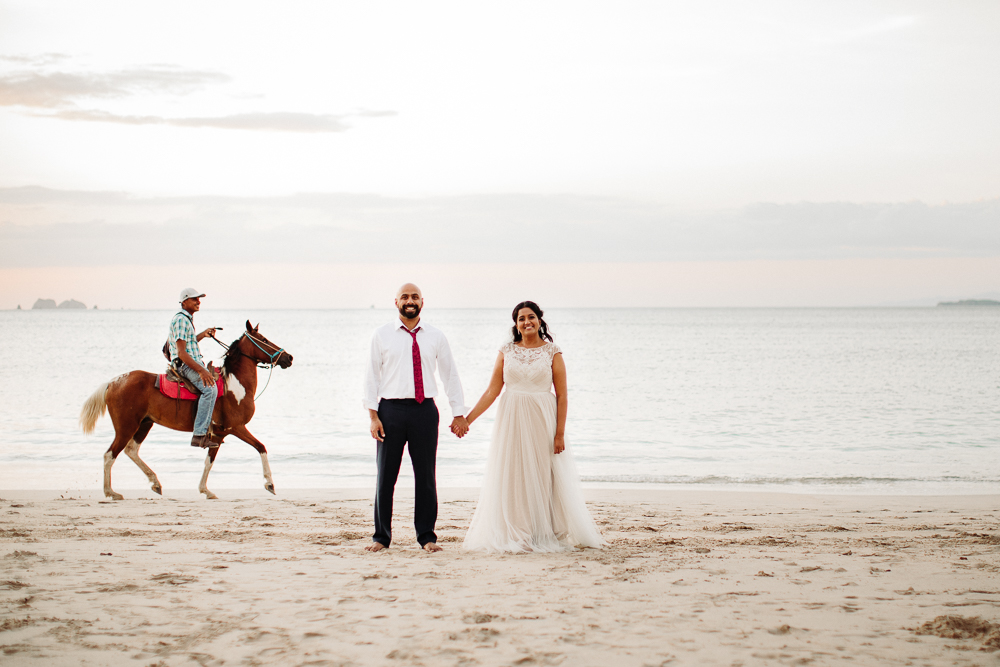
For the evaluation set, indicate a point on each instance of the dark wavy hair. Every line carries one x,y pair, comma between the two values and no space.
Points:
543,328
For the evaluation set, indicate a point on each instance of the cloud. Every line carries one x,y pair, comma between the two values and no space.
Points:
33,195
60,89
40,227
276,121
40,60
59,95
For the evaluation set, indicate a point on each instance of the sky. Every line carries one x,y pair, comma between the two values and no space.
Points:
318,154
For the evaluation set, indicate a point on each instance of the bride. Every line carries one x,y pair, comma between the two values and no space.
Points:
531,498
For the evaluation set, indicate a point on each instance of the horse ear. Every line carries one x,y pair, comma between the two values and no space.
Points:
256,327
249,328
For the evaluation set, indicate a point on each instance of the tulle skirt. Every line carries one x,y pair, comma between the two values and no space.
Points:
531,499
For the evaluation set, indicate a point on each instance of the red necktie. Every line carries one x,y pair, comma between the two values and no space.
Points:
418,372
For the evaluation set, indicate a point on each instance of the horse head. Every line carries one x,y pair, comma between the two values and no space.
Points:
254,345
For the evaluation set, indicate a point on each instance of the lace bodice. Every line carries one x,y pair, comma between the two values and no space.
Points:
528,369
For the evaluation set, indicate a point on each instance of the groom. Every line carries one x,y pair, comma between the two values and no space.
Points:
399,395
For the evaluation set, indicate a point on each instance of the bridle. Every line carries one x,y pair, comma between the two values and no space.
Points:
272,359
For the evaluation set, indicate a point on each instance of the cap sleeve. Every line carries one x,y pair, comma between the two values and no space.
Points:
554,349
505,347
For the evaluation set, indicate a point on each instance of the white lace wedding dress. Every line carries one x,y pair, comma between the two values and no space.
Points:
531,498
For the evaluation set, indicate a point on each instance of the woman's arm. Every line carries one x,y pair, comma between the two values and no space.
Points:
491,393
562,401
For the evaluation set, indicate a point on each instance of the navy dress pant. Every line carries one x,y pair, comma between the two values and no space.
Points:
407,422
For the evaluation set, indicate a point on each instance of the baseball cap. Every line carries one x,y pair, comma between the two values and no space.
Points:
188,293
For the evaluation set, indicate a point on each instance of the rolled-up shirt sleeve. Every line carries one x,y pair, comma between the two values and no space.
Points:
373,374
449,378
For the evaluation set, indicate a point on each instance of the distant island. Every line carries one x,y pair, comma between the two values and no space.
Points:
971,302
50,304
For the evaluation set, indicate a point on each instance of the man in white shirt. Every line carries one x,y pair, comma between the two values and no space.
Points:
399,396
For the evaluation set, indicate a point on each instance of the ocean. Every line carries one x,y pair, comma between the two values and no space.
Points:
859,401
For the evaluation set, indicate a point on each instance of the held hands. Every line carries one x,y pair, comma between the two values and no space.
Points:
560,444
459,426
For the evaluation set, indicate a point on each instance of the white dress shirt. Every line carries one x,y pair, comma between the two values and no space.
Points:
390,369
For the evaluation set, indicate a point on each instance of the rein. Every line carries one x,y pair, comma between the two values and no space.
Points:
220,343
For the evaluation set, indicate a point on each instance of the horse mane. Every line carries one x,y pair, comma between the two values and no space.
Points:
232,354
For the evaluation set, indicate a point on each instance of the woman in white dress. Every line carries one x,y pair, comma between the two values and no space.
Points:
531,498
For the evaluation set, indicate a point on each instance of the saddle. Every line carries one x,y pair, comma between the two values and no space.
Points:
174,385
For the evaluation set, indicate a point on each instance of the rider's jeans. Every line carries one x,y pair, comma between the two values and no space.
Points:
205,404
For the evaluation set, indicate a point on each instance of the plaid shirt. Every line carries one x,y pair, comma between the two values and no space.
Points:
182,328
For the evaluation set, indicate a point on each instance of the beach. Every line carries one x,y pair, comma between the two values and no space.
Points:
688,577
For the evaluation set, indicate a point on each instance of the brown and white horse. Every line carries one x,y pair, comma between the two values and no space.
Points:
135,404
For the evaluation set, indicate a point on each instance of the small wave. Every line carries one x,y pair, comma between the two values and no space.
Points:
717,480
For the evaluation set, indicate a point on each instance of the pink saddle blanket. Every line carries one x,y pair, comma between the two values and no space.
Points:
173,389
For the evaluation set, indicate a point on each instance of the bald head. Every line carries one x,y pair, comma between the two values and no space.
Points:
409,301
408,288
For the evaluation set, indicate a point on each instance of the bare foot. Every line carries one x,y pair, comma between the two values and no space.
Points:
375,546
432,547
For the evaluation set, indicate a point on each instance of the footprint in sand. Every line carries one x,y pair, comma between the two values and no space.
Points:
478,617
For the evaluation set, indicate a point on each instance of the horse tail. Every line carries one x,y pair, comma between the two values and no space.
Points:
94,409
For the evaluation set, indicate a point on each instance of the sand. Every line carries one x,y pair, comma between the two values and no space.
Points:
690,578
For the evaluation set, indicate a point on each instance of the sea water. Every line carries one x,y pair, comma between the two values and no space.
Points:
816,400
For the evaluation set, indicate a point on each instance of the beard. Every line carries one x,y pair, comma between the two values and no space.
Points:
409,311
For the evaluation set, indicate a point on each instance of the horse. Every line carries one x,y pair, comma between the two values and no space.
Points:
135,404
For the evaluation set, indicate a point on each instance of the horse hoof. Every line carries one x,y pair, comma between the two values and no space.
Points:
270,487
210,496
115,496
158,490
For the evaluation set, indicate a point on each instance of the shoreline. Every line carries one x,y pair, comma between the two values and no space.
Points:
591,491
688,577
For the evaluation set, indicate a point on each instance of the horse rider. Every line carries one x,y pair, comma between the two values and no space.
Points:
186,357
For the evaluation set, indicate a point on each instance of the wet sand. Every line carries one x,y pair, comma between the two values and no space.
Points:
698,578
